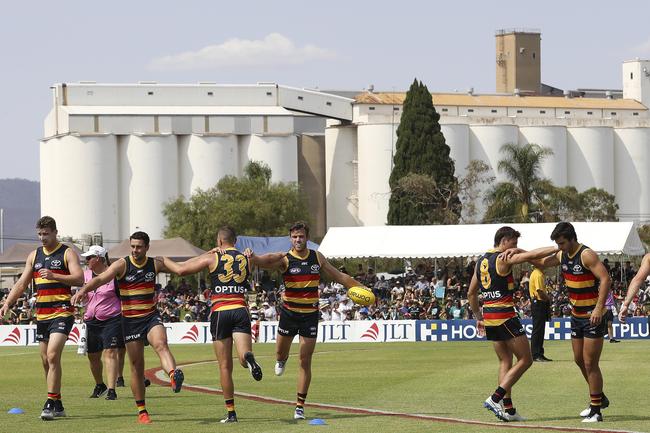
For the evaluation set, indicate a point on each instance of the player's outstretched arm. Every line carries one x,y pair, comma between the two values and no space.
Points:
635,285
592,262
546,262
118,267
522,256
271,261
20,286
336,275
189,267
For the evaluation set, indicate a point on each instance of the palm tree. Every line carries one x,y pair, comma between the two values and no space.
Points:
521,198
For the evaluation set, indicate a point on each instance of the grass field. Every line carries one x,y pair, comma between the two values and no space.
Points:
448,380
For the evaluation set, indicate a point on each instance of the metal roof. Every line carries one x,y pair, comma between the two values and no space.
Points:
459,99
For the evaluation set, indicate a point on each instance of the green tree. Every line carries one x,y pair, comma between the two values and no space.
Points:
596,204
424,195
644,234
251,204
567,204
421,150
426,198
519,199
470,186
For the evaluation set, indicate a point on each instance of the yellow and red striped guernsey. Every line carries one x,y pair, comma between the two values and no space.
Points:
137,288
580,283
498,305
229,280
301,280
52,297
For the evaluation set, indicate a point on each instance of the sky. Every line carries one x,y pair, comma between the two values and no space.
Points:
345,45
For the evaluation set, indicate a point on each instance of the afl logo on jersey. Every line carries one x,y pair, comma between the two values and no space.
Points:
55,263
294,270
577,268
38,266
149,276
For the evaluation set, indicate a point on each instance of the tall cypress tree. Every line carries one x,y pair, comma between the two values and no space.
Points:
421,150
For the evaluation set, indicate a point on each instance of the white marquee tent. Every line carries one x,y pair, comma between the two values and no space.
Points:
469,240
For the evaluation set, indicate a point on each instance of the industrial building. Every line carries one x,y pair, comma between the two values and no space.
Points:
130,148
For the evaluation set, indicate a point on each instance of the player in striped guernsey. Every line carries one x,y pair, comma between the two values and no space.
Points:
136,275
230,321
587,282
498,320
54,268
301,270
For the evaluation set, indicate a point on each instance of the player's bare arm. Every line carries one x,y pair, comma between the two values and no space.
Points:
521,256
634,286
189,267
271,261
472,297
116,269
19,288
547,262
592,262
334,274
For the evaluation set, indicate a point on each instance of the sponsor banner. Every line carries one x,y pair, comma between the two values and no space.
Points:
372,331
188,332
353,331
556,329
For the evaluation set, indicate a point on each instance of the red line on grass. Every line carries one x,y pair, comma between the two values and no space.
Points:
151,375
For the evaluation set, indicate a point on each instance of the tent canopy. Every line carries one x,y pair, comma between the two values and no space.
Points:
263,245
469,240
17,253
174,248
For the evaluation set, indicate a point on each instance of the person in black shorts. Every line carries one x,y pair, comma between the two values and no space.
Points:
103,319
230,321
587,281
141,322
301,269
498,321
54,269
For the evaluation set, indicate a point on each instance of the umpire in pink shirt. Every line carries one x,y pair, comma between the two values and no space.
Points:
103,318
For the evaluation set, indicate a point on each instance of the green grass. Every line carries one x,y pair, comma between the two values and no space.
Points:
438,379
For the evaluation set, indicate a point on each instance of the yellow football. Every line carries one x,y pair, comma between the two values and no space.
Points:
361,295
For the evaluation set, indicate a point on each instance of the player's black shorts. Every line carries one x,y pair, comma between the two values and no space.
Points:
582,328
224,323
137,328
609,316
292,323
104,334
509,329
59,325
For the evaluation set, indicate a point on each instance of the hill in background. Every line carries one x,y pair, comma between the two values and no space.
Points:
21,201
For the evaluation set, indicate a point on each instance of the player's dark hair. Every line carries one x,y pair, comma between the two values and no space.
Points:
505,232
564,230
299,225
46,222
227,234
142,236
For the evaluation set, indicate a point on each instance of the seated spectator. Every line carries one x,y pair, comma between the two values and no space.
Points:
268,312
397,292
